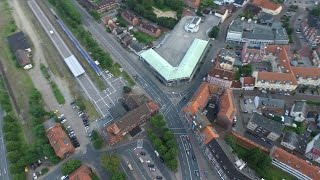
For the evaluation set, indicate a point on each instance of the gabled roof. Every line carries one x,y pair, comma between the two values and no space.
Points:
248,81
226,106
209,134
128,15
291,138
59,141
267,123
295,163
149,27
266,4
18,41
22,57
82,173
306,72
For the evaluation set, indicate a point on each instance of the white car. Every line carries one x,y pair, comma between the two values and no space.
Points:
35,176
51,32
64,177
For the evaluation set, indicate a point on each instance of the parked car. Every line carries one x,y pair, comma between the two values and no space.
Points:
35,176
197,173
158,177
151,165
142,153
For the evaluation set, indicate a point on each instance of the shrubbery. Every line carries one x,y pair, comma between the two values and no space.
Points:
97,140
70,166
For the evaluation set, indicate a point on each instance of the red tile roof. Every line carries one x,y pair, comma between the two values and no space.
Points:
266,4
59,141
149,27
306,72
200,98
248,81
128,15
227,107
209,134
295,163
82,173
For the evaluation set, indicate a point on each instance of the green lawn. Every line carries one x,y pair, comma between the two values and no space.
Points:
143,37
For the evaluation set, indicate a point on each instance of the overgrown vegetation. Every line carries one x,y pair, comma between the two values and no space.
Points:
72,18
97,140
111,163
145,8
243,71
301,128
315,11
163,141
70,166
56,91
258,161
143,37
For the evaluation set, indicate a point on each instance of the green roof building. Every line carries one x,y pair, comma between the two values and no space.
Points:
184,72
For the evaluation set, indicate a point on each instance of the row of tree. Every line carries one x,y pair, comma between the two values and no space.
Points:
163,141
12,134
111,163
145,8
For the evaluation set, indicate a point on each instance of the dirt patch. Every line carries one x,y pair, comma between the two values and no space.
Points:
160,13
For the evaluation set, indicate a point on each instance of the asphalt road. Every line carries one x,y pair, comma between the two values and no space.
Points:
4,173
100,101
134,67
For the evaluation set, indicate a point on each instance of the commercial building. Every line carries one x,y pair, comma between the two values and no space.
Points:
19,45
82,173
294,165
242,31
313,149
264,126
311,30
99,6
227,110
268,6
184,72
298,111
58,139
149,29
138,113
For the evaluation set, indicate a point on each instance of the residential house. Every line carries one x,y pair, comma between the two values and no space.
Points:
137,47
196,114
130,18
269,105
82,173
117,31
309,76
227,110
21,48
293,165
132,119
282,78
247,83
110,24
192,3
311,30
99,6
149,29
58,139
264,126
298,111
222,73
290,140
126,40
222,13
268,6
313,149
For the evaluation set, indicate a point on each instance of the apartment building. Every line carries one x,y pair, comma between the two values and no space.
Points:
313,149
268,6
311,30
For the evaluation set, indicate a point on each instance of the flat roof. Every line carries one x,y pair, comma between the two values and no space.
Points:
74,66
186,66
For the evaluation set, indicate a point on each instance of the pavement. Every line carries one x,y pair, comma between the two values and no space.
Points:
4,173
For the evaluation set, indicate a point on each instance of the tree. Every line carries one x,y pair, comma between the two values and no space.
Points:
126,89
110,162
214,32
172,164
98,143
70,166
168,135
118,176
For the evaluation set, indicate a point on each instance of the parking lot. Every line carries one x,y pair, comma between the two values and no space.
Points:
177,42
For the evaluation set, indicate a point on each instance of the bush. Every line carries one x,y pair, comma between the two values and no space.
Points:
214,32
126,89
70,166
97,140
